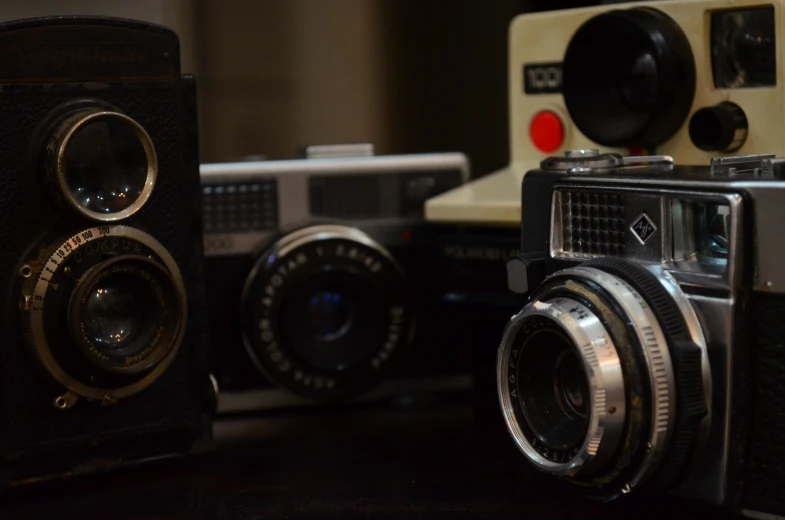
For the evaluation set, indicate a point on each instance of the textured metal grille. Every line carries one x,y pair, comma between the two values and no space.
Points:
240,207
592,223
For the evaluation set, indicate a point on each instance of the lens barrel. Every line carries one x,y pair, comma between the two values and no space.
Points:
642,364
629,77
107,313
327,313
101,163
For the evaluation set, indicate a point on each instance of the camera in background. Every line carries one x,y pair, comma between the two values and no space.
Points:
693,79
329,286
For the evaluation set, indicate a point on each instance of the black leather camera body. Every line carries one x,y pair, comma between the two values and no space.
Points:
650,357
328,286
104,356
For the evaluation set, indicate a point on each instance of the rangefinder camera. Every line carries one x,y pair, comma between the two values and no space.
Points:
327,285
104,358
693,79
651,354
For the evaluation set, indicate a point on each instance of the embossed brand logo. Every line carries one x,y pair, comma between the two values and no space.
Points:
643,227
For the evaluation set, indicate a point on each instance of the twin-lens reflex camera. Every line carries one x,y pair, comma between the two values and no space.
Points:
104,358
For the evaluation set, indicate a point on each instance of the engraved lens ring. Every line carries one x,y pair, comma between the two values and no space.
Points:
104,164
327,313
532,388
107,312
647,382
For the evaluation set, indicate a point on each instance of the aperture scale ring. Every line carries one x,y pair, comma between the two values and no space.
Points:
36,296
658,361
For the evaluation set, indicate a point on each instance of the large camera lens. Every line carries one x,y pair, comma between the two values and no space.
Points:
602,386
113,313
107,312
554,389
333,319
629,78
106,164
328,313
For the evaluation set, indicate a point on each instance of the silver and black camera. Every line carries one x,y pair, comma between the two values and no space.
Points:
319,268
651,354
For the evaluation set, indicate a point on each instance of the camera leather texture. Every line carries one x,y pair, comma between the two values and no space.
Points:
764,478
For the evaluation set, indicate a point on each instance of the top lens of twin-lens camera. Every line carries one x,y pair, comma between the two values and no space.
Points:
328,313
629,77
106,164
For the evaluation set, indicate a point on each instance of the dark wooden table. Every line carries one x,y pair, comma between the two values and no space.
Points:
440,460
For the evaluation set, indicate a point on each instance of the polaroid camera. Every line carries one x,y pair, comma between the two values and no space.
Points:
691,79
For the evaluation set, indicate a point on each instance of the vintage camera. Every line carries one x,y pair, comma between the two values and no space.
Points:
651,354
104,358
328,286
693,79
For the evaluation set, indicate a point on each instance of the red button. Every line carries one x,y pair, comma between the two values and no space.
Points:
546,131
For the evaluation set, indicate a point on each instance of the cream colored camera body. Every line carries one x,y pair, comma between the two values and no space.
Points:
691,79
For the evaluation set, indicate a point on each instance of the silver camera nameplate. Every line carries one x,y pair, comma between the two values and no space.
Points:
245,203
695,235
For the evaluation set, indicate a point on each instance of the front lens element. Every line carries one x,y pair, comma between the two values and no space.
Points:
106,165
329,315
114,312
554,389
333,319
124,314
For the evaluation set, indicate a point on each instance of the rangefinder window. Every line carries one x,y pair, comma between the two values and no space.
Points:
701,232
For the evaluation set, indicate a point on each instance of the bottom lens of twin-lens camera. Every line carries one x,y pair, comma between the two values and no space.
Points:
328,313
120,296
118,313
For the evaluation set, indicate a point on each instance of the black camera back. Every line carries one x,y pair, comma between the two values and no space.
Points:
63,412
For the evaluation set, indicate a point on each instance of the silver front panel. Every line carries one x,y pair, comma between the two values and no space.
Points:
280,194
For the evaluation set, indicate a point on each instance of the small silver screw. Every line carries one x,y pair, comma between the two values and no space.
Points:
61,402
26,271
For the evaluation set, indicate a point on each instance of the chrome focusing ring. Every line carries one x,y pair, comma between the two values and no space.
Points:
658,362
602,367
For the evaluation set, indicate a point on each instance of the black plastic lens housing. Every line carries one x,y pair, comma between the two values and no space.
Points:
629,78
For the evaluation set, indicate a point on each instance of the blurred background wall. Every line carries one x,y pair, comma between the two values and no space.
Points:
276,75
